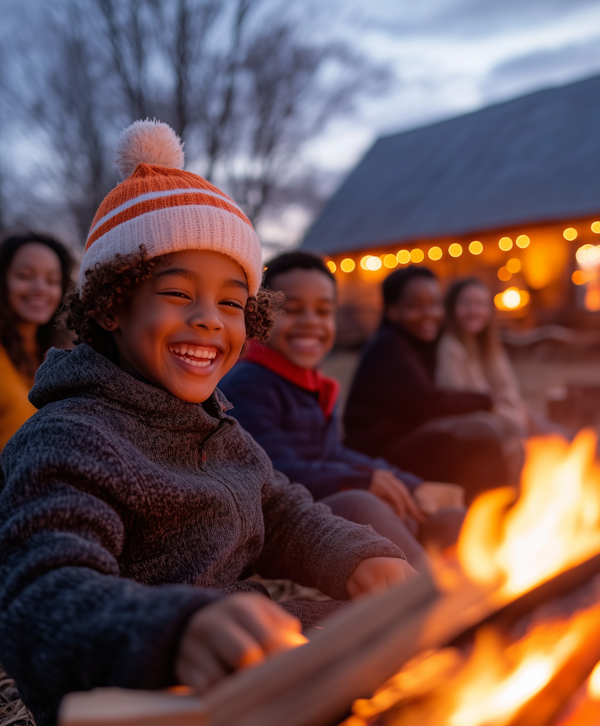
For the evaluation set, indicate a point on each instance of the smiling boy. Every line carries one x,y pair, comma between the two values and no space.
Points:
285,402
133,508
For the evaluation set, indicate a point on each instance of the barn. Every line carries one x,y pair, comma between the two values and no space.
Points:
510,193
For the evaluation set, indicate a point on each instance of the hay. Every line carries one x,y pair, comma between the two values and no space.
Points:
12,709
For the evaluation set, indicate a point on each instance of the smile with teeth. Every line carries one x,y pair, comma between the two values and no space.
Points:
194,355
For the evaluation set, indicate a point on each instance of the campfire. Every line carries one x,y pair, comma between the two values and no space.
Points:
506,633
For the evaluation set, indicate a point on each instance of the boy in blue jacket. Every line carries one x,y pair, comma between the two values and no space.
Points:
282,399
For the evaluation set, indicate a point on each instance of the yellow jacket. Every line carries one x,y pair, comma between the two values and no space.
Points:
15,408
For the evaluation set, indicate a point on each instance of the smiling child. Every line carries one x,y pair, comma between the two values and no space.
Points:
285,402
133,507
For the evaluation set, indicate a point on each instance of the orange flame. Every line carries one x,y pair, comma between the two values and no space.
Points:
511,542
554,525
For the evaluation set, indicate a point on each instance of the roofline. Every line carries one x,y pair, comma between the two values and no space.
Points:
474,234
514,99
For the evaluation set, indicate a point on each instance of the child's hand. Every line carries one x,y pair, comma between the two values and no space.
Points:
378,573
393,492
233,633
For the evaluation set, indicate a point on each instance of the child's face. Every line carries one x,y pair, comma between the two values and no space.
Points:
306,333
420,309
184,328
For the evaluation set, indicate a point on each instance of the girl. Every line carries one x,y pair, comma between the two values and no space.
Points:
34,276
396,410
132,503
471,357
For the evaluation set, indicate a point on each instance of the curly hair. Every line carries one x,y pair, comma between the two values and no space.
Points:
110,286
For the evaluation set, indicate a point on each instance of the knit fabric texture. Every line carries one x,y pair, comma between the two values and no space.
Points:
168,210
123,510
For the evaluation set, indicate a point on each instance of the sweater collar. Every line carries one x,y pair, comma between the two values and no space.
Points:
307,378
84,373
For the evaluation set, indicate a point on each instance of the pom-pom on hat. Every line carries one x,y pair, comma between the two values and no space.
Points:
166,209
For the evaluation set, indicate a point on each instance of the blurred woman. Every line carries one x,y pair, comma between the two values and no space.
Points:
396,409
34,276
471,357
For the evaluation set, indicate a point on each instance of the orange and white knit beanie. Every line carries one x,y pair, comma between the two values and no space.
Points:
167,209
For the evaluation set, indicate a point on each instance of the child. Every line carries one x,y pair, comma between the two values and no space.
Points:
288,406
132,503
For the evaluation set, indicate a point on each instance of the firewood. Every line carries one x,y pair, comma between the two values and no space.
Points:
124,707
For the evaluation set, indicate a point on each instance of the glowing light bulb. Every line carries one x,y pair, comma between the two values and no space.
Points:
403,257
417,255
435,253
390,261
364,261
570,233
596,227
505,244
504,274
511,298
455,250
476,248
579,277
373,264
347,265
523,241
514,265
332,266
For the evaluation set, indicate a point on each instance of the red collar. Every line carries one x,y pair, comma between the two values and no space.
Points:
307,378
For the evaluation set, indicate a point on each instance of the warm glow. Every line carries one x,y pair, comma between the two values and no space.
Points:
594,683
588,256
514,265
512,541
596,227
403,257
523,241
417,255
484,687
347,265
505,244
455,250
390,261
570,233
475,248
364,261
511,298
435,253
554,525
580,277
504,274
592,299
373,264
331,265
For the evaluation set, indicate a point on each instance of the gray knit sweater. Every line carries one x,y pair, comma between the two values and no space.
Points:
121,505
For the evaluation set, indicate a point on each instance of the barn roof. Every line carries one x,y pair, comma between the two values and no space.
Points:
529,160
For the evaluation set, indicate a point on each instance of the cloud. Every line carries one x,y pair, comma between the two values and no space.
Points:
543,67
468,18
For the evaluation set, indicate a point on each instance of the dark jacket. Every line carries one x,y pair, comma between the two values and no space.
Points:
123,511
394,392
289,424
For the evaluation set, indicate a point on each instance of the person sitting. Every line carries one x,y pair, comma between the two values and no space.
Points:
471,357
34,277
285,402
397,411
133,508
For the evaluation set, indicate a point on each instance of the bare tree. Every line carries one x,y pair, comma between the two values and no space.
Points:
240,80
